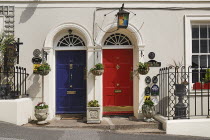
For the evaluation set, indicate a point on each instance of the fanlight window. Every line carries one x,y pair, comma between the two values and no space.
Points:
70,41
117,39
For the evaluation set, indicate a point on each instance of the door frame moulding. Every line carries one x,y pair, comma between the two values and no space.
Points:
49,47
138,52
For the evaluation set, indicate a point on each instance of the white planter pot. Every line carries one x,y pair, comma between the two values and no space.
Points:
93,115
148,112
41,115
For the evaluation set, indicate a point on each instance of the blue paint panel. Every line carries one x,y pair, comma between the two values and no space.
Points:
70,103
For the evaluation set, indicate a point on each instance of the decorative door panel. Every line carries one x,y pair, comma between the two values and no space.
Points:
70,82
117,85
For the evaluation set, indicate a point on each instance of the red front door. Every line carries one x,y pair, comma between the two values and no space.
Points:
117,83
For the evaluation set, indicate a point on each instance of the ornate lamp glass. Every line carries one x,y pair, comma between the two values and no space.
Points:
123,18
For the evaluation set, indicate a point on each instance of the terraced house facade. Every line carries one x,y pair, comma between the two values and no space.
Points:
77,34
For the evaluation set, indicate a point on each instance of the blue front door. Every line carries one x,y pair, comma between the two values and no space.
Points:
70,82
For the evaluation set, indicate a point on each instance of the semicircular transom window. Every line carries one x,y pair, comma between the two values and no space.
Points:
70,41
117,39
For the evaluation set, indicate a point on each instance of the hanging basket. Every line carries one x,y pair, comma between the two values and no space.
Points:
97,72
44,72
143,71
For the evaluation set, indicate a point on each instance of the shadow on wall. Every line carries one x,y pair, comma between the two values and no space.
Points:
35,87
29,11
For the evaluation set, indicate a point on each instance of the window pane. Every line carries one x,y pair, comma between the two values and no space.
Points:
203,46
203,31
194,76
195,31
208,61
203,61
202,74
195,61
195,46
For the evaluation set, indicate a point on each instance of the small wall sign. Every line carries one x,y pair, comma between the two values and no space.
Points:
147,97
153,63
148,80
36,60
151,55
154,80
147,91
155,90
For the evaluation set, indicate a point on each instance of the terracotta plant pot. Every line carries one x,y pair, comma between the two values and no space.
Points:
97,72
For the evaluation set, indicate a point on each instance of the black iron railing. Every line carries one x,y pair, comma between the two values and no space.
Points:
13,83
192,100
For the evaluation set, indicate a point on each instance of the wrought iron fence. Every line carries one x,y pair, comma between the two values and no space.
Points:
13,83
191,100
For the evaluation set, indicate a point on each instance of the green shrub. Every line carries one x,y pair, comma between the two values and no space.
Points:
43,67
93,103
207,76
149,103
143,66
41,105
98,66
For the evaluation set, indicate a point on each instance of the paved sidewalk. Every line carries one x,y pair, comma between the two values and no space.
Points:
119,124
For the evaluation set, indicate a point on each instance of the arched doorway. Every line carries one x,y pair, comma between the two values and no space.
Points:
70,73
117,79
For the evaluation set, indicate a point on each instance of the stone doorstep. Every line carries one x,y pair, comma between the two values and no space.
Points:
118,124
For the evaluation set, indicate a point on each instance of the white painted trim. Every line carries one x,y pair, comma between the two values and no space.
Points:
69,48
192,127
49,46
189,20
50,37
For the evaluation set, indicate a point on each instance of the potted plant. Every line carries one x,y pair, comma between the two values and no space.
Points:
97,70
93,112
8,51
41,112
148,110
143,68
44,69
206,79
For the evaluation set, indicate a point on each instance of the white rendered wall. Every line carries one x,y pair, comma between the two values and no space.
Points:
18,111
162,33
191,127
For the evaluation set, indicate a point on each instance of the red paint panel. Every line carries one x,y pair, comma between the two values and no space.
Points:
117,67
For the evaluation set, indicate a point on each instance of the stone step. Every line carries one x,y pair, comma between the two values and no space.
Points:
140,131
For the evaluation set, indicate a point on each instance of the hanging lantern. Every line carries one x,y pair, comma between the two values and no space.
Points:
123,18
